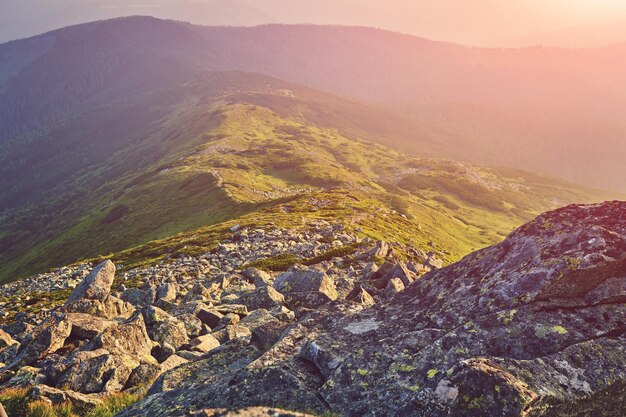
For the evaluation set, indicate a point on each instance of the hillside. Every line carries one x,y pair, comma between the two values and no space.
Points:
557,103
224,145
321,321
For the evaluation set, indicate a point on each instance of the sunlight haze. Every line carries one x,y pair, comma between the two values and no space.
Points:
477,23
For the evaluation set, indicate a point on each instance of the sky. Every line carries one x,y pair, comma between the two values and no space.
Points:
470,22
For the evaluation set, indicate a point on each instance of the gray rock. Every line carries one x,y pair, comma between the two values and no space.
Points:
533,326
305,280
166,292
248,412
264,297
361,296
46,339
209,316
204,343
232,332
57,396
97,285
171,331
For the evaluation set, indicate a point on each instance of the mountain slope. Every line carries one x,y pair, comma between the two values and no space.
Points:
225,145
428,80
529,327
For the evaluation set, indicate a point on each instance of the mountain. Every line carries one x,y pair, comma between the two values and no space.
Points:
512,330
531,326
109,144
573,98
224,145
180,235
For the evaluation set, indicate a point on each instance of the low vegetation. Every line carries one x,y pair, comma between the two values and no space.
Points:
17,402
249,164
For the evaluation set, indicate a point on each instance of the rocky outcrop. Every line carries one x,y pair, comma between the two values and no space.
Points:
248,412
193,318
533,326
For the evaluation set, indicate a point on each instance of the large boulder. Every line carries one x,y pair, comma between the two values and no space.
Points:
96,285
57,396
85,326
129,338
46,339
263,297
533,326
111,308
171,331
305,280
97,371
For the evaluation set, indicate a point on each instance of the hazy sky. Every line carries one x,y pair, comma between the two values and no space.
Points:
475,22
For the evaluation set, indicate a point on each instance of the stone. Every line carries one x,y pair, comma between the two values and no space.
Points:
47,338
166,292
248,412
400,271
23,378
305,280
138,298
232,332
85,326
394,286
129,338
381,250
531,326
264,297
143,374
171,331
360,296
57,397
210,317
258,318
97,371
267,334
171,363
204,343
307,300
193,325
162,352
259,278
111,308
282,313
229,319
237,309
96,285
198,292
6,340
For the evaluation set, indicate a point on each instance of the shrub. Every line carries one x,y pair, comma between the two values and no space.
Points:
114,403
41,409
277,263
15,401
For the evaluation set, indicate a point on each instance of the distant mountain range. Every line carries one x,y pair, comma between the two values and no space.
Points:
556,111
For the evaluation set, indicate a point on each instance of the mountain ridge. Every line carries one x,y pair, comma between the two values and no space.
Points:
410,81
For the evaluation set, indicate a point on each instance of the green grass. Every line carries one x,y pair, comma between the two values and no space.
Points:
284,261
17,403
208,165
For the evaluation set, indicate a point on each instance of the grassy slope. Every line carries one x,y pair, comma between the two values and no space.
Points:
202,159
